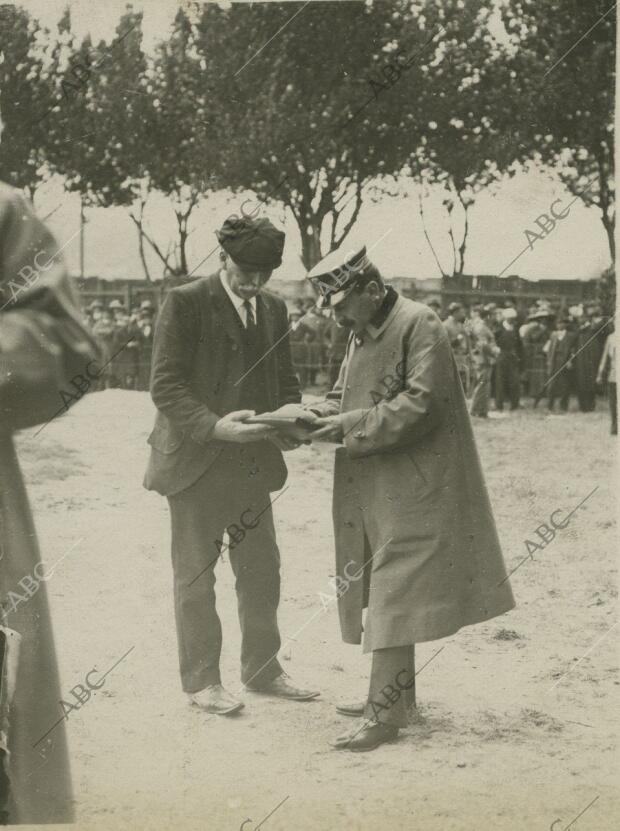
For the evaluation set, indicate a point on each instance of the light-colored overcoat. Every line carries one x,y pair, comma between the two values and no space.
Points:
409,491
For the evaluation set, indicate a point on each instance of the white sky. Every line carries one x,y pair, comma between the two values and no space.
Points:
577,247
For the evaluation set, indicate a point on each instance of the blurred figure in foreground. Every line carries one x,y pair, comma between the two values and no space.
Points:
43,346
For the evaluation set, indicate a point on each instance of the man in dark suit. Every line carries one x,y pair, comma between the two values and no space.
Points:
221,353
560,348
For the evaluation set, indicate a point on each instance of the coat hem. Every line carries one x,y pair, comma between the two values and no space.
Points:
408,639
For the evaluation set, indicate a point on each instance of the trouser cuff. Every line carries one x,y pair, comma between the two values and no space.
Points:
206,679
262,676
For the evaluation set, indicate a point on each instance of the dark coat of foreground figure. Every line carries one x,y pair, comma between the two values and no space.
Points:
408,479
42,346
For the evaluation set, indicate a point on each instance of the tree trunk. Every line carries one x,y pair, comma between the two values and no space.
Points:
182,268
609,224
310,242
606,202
450,208
143,257
461,251
138,225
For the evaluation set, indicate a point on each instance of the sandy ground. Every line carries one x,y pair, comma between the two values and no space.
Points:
517,718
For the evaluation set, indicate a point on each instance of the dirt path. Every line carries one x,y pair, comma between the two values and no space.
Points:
517,718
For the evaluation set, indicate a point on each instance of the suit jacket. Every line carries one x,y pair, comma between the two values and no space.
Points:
560,351
509,342
196,368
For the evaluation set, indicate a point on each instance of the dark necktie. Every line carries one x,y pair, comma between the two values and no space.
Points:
250,323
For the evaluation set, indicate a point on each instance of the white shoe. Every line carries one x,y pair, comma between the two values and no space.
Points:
215,699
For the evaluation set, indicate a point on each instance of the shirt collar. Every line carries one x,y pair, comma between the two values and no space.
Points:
234,298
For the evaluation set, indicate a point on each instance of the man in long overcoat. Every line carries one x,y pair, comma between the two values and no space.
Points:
416,542
43,346
221,353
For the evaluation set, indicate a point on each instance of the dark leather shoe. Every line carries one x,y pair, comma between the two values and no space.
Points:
281,687
367,737
215,699
351,708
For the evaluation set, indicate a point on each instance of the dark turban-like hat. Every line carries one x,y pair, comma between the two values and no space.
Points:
252,243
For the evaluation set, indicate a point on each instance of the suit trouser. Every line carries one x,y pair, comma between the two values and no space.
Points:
586,396
559,388
507,382
392,686
482,390
231,495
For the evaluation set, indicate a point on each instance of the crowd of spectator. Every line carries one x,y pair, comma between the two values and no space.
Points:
503,356
126,340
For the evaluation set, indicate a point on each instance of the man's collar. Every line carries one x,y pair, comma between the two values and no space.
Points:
380,319
235,299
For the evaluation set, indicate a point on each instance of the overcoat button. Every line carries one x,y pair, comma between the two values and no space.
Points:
234,347
359,435
348,523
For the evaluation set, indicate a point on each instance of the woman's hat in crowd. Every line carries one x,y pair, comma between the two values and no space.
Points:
540,311
252,243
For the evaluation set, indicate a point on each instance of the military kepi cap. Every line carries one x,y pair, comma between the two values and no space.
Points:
252,243
336,275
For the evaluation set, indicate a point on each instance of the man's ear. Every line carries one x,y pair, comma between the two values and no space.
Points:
374,289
